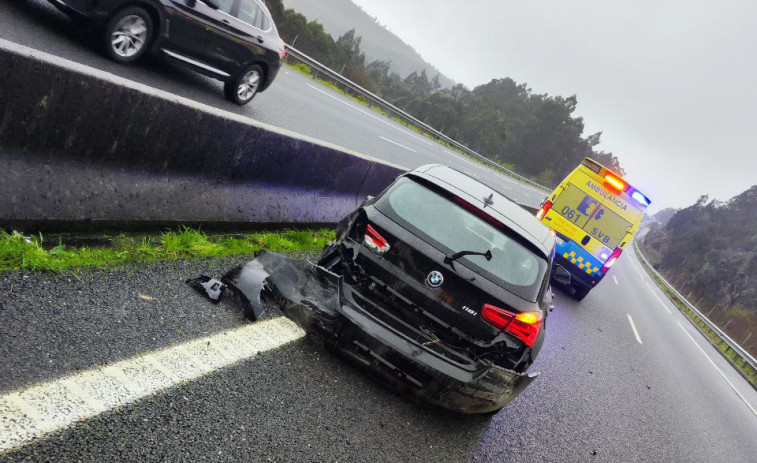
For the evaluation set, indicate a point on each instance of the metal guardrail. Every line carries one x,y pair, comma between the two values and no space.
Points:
736,347
397,112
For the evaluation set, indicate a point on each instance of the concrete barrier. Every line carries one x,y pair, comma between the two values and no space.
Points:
82,146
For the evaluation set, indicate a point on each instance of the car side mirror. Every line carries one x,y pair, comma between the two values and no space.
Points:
561,276
215,4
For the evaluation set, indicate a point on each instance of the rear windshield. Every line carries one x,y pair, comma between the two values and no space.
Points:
591,216
450,228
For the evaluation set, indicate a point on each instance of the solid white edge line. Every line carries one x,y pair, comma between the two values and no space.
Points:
369,114
398,144
636,265
633,327
39,409
462,158
717,368
658,298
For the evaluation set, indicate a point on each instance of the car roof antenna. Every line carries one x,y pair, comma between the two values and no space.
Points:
489,200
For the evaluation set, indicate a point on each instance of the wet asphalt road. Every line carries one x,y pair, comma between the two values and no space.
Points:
604,394
601,395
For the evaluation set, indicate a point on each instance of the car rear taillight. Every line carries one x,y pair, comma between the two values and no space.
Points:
611,261
525,325
283,53
544,209
375,241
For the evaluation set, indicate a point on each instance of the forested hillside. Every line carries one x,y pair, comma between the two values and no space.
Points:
534,134
340,16
709,252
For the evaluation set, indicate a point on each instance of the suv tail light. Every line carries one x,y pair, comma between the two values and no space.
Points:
611,261
283,53
544,209
375,241
525,325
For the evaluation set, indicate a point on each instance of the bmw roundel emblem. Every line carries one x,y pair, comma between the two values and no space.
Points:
435,279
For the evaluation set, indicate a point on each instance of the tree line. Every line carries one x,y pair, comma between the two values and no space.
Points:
535,134
709,252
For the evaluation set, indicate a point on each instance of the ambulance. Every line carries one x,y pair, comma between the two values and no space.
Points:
595,214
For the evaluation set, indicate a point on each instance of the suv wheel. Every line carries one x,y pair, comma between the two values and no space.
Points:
128,35
242,89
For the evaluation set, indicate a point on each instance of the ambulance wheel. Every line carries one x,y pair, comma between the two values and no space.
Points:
580,292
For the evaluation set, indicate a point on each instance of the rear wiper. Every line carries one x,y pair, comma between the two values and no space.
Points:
453,257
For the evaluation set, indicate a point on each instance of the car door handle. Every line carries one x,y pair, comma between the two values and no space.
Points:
260,39
225,21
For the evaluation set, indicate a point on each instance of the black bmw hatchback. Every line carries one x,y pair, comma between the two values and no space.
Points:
235,41
439,286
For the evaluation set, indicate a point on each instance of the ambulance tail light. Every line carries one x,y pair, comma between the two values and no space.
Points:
615,182
611,261
544,209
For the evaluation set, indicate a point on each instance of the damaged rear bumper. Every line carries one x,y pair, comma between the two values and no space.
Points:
400,355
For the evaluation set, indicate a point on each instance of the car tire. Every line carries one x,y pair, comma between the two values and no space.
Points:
128,35
242,89
580,292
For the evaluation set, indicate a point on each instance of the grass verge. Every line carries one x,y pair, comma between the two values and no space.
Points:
731,355
18,252
506,170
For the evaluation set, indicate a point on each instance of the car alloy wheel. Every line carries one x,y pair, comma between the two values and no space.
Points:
248,85
129,36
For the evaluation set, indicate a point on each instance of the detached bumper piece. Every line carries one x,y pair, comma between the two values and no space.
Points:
402,356
210,287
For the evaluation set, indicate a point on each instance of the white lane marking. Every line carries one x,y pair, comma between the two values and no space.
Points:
658,298
34,411
719,370
633,327
472,174
370,115
539,193
636,267
616,280
398,144
462,158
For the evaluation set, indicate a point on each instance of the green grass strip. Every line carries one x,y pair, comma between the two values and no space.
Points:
18,252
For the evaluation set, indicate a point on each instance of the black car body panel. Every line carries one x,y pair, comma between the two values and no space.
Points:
404,357
213,42
379,310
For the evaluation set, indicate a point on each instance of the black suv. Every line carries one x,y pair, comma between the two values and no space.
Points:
235,41
439,286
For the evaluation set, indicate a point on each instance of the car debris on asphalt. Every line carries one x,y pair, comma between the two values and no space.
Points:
440,291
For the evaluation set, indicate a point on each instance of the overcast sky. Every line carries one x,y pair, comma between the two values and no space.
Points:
672,84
